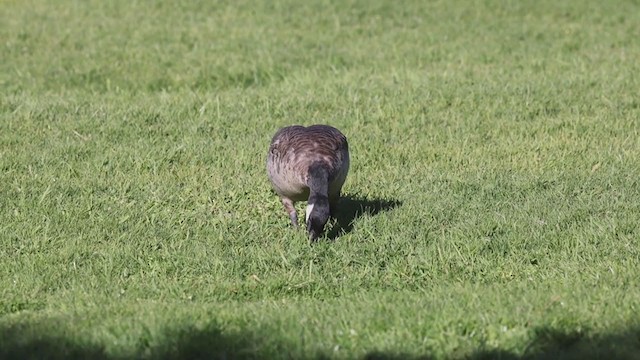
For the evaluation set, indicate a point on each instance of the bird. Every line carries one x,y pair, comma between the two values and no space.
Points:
309,163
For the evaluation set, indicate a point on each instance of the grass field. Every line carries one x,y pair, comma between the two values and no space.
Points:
491,210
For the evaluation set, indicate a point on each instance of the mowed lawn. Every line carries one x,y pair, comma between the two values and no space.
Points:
491,210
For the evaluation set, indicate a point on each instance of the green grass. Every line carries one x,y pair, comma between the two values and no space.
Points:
491,210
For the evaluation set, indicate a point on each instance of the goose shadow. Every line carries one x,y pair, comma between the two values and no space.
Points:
352,207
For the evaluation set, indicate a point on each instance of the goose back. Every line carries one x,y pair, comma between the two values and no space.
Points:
295,149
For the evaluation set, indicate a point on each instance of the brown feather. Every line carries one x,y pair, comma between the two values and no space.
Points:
294,149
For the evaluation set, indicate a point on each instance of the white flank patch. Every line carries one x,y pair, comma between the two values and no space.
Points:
309,208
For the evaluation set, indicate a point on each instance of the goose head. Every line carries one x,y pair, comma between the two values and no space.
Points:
317,215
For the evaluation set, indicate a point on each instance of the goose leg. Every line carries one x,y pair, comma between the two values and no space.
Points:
291,210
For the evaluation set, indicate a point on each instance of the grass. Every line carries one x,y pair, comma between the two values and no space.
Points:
491,209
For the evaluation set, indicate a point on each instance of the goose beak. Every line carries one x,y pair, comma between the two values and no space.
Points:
313,236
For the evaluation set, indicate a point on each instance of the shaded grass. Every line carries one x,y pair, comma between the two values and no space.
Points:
211,343
352,208
295,329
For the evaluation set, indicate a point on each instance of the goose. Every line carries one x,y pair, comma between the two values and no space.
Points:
309,163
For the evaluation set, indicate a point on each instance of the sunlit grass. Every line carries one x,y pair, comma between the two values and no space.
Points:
491,208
